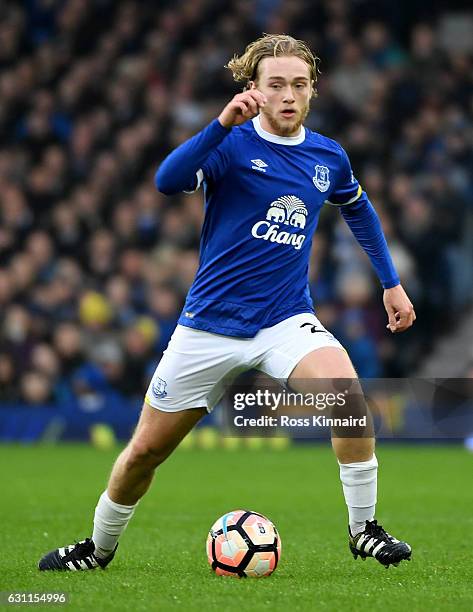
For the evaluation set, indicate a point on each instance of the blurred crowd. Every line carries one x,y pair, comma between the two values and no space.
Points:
95,263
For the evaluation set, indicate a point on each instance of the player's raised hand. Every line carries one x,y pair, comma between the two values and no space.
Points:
400,310
242,107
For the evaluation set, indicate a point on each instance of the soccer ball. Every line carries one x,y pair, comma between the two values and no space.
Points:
243,543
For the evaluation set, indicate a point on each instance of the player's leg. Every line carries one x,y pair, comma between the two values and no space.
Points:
303,353
355,453
156,436
328,363
185,384
356,458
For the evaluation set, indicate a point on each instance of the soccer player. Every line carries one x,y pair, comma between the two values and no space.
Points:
266,178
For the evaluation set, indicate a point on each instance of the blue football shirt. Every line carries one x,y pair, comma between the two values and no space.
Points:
263,196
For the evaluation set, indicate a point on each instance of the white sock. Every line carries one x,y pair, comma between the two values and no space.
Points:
359,481
110,521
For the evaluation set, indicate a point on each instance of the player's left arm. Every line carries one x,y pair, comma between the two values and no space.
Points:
365,225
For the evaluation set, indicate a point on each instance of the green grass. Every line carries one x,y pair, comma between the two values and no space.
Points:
425,496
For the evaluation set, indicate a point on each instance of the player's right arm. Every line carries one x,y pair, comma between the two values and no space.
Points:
179,170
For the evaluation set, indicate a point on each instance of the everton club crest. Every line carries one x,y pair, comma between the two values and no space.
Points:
320,178
159,388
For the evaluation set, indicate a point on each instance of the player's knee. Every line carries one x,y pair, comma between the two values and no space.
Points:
142,453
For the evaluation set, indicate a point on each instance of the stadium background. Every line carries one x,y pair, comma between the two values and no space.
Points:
95,263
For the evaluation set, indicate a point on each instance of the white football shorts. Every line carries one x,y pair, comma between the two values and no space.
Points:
197,366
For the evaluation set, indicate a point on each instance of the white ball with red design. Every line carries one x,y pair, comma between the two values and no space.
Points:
243,543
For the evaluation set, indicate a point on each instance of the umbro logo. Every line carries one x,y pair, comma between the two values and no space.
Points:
259,164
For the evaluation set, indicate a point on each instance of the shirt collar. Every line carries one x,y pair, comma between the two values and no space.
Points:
284,140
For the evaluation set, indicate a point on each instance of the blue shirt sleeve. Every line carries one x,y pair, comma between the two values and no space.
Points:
365,225
199,157
216,164
347,189
363,222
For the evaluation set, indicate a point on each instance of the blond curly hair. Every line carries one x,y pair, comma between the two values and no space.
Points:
245,67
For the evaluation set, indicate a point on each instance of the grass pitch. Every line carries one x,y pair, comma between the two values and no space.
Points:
425,496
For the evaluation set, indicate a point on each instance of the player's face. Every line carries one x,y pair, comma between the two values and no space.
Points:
285,81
